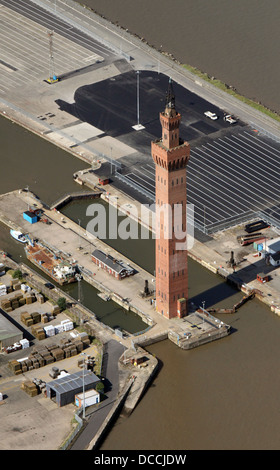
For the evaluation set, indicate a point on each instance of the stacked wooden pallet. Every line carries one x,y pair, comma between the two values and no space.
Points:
38,332
30,388
15,367
42,355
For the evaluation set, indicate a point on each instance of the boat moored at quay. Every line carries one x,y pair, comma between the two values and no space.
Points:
54,265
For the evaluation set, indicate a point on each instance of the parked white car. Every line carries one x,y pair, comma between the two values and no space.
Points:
210,115
229,118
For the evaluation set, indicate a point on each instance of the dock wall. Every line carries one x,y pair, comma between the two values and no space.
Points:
110,417
203,339
73,197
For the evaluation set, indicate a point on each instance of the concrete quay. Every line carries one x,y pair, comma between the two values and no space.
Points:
67,237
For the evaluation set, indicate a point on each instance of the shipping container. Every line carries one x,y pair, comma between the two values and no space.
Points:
92,397
30,217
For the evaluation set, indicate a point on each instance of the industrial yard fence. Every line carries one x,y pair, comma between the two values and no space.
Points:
74,433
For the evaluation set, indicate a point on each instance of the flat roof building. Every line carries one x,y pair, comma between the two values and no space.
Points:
65,388
9,333
273,246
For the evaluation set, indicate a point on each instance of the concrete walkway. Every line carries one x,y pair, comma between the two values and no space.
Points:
113,352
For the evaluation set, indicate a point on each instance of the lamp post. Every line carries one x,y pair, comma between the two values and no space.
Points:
80,246
138,126
84,405
138,112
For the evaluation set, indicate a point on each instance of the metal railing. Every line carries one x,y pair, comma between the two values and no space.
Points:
145,192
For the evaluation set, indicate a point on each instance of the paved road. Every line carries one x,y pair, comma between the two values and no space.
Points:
110,361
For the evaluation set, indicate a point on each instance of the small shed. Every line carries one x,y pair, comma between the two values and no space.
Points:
103,181
31,217
65,388
261,277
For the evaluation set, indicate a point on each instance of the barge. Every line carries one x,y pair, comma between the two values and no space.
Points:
54,265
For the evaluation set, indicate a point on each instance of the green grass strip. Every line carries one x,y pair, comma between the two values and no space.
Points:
222,86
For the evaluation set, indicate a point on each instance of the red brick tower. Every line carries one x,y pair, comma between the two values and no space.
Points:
171,156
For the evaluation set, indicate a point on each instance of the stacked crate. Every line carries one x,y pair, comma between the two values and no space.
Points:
36,317
16,284
67,325
49,330
42,355
29,299
78,344
49,359
17,301
58,354
30,388
44,318
40,298
85,340
38,332
24,367
15,367
6,305
55,310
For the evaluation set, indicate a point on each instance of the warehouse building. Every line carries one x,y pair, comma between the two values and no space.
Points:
65,388
9,333
114,267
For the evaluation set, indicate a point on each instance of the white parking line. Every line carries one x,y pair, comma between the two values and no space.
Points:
51,23
134,175
231,182
256,152
31,34
214,187
199,189
263,143
254,182
251,170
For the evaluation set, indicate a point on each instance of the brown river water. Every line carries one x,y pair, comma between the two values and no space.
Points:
223,395
234,41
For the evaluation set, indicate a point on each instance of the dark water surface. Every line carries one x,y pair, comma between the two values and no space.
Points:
28,160
234,41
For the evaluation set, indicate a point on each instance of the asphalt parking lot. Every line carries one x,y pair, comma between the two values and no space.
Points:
25,54
233,169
